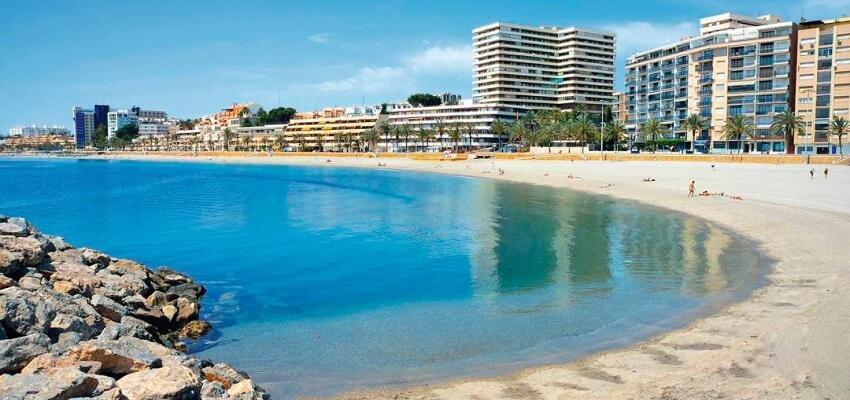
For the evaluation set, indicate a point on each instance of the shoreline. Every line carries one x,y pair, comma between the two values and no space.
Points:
784,340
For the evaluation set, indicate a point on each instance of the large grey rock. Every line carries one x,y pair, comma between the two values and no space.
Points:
29,248
108,308
171,382
11,264
16,353
22,314
15,227
94,258
60,384
64,323
119,330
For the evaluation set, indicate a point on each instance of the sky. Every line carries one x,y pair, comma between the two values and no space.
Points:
192,58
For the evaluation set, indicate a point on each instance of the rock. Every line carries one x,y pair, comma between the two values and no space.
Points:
11,264
169,311
213,390
245,390
64,323
116,331
68,287
31,281
194,330
156,299
128,267
172,382
18,227
16,353
133,302
94,258
224,374
108,308
122,356
61,384
186,310
5,282
28,248
58,243
188,290
47,362
78,275
22,314
118,287
153,317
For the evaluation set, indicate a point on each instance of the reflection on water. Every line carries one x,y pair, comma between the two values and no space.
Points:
323,280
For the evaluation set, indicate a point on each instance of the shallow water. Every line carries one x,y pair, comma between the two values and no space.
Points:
323,280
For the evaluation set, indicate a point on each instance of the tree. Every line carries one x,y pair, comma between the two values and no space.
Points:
99,138
227,134
787,124
470,132
839,127
424,135
127,132
518,131
279,115
694,124
737,127
424,99
454,135
279,142
405,131
440,129
383,129
246,143
186,124
653,128
615,133
500,128
371,137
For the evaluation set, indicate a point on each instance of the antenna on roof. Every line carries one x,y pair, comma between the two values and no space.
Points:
803,15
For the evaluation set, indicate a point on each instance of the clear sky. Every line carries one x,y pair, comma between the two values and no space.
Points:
192,58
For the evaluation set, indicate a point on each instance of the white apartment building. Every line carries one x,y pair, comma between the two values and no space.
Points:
117,119
543,67
33,130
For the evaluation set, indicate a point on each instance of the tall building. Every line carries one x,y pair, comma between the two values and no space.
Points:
543,67
823,82
100,115
736,66
83,126
450,98
117,119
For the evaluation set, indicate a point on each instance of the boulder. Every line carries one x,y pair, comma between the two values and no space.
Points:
61,384
16,353
31,281
224,374
169,311
171,382
30,249
190,291
118,287
108,308
18,227
68,287
245,390
5,282
186,310
78,275
213,391
58,243
22,314
194,330
156,299
122,356
94,258
47,362
63,323
11,264
116,331
133,302
128,267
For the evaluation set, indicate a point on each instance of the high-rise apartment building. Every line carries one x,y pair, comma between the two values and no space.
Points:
100,115
736,66
83,126
117,119
543,67
823,83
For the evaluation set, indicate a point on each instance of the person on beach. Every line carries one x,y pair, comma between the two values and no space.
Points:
692,188
812,173
826,173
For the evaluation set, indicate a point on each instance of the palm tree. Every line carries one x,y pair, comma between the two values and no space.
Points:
278,141
653,128
228,134
839,127
582,129
440,128
518,131
383,129
737,127
246,143
787,124
616,132
424,135
405,131
470,131
694,124
499,128
371,137
320,141
454,135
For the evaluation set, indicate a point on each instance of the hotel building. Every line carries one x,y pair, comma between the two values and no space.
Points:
330,128
543,67
118,119
33,130
823,82
736,66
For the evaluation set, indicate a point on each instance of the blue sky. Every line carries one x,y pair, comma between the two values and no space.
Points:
194,57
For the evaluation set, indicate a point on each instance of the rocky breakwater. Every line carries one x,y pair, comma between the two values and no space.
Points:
77,323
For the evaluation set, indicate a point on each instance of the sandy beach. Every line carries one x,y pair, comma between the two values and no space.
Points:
790,339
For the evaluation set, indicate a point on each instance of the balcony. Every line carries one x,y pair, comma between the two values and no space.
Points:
705,79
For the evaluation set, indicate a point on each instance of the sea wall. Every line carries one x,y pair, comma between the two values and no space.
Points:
77,323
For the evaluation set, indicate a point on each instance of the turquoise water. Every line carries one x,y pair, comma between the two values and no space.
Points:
323,280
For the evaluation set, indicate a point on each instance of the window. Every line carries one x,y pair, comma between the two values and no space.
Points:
765,85
807,65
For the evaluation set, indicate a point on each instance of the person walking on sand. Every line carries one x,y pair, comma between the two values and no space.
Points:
692,188
826,173
812,173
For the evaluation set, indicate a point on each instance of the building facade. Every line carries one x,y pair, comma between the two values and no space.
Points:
823,83
33,130
736,66
330,128
118,119
543,67
83,126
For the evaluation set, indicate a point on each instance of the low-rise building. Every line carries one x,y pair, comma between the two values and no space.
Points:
335,129
34,130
